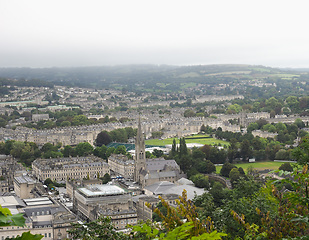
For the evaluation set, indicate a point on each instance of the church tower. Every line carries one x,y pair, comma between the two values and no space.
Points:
140,156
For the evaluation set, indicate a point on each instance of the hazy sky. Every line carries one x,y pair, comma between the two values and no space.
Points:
46,33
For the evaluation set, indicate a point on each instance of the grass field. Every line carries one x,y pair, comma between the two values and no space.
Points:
187,85
256,165
286,75
189,74
169,141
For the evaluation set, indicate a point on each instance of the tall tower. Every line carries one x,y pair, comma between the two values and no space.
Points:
243,119
140,156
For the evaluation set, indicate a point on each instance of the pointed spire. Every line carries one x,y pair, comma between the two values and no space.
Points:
139,136
139,123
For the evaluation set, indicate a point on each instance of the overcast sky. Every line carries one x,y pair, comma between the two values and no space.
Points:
47,33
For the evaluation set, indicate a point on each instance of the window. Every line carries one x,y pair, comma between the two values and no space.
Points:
49,234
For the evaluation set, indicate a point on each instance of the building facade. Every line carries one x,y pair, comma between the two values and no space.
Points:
121,165
106,200
24,186
43,216
61,169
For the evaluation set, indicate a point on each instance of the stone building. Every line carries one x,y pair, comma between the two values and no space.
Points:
24,186
43,216
263,134
144,212
61,169
74,184
40,117
150,171
93,201
9,168
121,165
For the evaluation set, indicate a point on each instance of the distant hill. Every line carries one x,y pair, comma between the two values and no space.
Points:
128,76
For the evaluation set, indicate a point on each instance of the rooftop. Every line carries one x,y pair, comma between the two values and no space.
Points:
38,201
101,190
24,179
164,187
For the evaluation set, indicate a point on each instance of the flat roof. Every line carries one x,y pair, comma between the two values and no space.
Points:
7,201
101,190
24,179
38,201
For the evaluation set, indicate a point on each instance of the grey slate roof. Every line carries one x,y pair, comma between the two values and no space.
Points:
165,187
158,175
159,164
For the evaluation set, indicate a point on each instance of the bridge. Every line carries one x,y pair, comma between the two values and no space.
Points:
220,179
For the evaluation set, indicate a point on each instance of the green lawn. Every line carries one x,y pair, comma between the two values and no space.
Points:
169,141
187,85
286,75
256,165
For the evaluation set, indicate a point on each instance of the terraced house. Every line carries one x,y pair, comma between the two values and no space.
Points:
61,169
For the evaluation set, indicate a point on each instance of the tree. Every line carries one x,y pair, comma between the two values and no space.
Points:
100,152
83,149
301,153
157,134
234,176
101,228
103,138
246,150
119,135
200,181
205,205
234,108
197,154
280,127
68,151
106,178
299,123
52,154
173,220
206,149
292,103
219,194
252,126
282,154
189,113
286,167
174,150
121,149
47,147
203,128
157,153
80,120
226,169
289,219
17,148
183,151
303,102
110,151
206,167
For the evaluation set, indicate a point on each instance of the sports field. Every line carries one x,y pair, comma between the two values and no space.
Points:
256,165
202,139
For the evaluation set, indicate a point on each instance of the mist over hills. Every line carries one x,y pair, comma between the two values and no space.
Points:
129,75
